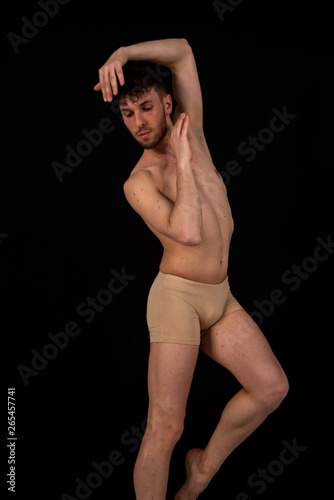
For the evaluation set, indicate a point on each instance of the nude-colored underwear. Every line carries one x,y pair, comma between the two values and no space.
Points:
180,311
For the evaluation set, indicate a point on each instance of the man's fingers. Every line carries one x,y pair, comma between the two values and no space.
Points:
113,80
105,85
111,75
109,78
179,123
185,125
120,75
182,124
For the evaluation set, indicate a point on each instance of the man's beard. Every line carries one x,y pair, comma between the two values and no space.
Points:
160,133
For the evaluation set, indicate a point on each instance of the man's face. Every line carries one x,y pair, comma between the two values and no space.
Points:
145,118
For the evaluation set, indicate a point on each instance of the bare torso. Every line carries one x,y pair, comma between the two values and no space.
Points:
208,261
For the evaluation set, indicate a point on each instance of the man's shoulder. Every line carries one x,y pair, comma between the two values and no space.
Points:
144,169
139,172
140,189
141,177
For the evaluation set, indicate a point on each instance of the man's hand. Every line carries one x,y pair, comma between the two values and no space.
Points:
179,140
110,72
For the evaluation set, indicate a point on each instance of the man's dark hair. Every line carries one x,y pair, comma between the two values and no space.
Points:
140,77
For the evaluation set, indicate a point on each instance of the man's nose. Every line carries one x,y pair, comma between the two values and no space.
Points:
140,120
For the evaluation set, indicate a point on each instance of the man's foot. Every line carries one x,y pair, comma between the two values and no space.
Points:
196,481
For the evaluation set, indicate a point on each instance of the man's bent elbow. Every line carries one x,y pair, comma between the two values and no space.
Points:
185,47
190,236
185,43
191,240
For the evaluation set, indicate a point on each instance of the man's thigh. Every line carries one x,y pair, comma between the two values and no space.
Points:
170,373
237,343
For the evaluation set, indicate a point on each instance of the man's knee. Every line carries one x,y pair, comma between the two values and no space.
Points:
274,392
164,429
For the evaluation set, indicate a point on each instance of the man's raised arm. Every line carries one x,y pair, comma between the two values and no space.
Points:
174,53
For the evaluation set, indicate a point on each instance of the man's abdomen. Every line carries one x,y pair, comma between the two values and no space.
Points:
208,261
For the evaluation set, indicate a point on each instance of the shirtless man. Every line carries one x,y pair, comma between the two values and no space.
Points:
179,194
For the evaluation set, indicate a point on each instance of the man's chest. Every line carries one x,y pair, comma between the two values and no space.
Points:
209,183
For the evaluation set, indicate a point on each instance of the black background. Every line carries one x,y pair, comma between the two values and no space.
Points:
60,240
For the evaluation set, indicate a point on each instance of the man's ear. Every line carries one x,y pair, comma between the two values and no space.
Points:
168,103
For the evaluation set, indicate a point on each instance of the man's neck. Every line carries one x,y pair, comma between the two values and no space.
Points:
163,149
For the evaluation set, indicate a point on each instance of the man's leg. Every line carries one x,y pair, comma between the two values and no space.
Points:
238,344
170,373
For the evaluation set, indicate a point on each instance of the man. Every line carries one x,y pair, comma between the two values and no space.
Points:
181,197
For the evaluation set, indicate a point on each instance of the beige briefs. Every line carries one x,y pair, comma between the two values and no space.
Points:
180,310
